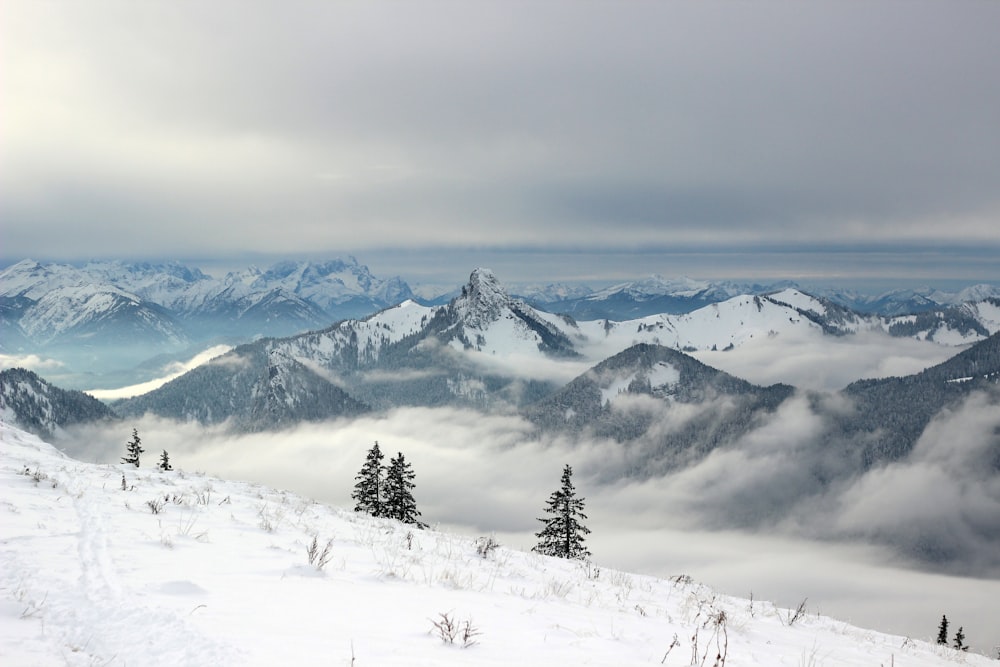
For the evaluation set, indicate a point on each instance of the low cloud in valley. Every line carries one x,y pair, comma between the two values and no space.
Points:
752,518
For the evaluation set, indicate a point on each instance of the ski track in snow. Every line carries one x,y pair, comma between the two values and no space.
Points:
114,618
73,588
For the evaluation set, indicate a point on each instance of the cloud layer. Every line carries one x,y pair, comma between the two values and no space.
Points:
638,128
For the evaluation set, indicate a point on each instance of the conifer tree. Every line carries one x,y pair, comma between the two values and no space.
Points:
399,502
133,449
960,640
562,534
368,494
942,636
164,463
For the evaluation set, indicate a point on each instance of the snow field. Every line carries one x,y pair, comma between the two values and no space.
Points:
183,569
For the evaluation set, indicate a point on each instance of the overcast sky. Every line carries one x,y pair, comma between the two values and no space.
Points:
552,141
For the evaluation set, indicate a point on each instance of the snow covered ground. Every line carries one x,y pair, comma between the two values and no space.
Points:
183,569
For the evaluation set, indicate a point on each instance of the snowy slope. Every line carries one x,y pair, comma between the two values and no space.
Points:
368,336
799,301
733,322
219,576
33,280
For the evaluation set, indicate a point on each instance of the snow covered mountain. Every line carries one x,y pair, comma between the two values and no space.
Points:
106,319
627,395
954,325
656,294
486,319
681,409
890,414
41,408
342,287
542,294
178,568
53,304
171,304
255,387
910,301
650,296
485,349
98,315
405,355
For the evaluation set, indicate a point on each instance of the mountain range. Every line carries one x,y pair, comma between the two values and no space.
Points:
169,306
629,385
656,294
491,351
172,304
485,349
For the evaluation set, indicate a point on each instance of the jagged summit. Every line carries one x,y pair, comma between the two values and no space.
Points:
483,299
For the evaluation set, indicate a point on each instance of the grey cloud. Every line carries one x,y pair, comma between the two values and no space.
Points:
826,363
944,499
482,126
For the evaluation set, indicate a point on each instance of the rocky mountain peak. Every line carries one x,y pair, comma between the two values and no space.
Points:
482,300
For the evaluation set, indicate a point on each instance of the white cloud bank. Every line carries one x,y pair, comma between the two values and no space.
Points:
171,371
32,362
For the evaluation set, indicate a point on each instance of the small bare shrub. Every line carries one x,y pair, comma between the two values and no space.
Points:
554,588
32,606
485,546
449,630
37,476
673,644
469,634
717,622
155,505
446,628
318,558
268,519
795,616
185,524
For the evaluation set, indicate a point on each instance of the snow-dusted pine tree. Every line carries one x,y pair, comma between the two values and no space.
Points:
562,534
942,636
399,502
133,449
959,642
368,494
164,463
